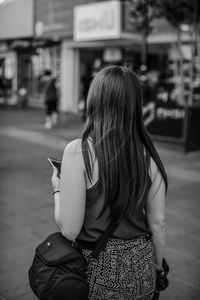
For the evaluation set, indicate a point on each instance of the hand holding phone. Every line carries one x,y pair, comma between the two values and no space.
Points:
55,163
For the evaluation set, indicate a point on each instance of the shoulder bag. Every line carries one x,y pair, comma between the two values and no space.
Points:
58,270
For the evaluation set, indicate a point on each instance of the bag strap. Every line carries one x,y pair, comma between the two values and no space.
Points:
104,239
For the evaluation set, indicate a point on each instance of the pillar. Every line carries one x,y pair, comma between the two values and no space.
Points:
70,78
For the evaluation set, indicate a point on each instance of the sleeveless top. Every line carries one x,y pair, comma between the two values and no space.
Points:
95,223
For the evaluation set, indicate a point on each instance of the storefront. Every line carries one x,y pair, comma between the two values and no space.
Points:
8,75
176,107
90,34
34,57
99,35
98,39
13,27
79,52
76,41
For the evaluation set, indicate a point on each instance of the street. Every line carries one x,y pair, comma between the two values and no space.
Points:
26,202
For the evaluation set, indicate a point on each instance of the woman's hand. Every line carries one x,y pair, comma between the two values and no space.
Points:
55,179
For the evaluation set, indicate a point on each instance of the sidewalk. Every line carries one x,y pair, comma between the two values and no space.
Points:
26,203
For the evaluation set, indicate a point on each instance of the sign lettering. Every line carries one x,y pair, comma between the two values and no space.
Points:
170,113
96,21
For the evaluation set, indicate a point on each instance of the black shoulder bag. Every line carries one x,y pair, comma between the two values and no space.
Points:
58,270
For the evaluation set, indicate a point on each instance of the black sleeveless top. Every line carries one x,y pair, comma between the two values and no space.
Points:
95,223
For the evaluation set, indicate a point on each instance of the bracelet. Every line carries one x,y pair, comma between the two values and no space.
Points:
57,191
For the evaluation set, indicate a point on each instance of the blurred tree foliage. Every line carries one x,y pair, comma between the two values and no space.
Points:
142,13
181,11
184,13
178,13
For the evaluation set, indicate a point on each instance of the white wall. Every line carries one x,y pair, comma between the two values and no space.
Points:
16,19
70,81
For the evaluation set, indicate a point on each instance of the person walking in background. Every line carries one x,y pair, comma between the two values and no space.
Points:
114,173
51,100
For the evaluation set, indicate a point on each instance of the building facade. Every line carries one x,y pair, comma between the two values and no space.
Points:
58,21
76,38
70,38
92,34
88,33
12,28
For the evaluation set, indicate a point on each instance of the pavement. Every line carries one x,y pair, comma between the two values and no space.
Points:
26,202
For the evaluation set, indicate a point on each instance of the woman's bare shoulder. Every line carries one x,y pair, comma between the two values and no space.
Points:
74,147
73,153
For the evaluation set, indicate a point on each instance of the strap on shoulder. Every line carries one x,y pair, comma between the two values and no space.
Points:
104,239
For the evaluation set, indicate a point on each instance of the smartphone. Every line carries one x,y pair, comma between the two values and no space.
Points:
55,163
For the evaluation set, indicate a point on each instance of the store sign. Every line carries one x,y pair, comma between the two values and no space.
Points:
41,29
25,44
169,121
112,55
163,113
97,21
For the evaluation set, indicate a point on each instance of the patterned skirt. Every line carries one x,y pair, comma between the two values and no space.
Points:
124,271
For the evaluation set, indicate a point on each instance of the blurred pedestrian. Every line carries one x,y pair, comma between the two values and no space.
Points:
51,100
97,65
23,97
114,173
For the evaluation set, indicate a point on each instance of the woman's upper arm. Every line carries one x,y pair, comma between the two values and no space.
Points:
155,208
72,191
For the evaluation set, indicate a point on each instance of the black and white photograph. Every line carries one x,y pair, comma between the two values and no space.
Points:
99,149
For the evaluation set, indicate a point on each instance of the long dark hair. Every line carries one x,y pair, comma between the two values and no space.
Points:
121,143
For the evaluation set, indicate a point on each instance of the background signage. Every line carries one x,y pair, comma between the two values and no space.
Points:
97,21
169,120
112,55
54,18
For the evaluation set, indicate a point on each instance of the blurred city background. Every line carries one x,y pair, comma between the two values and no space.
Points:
67,42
